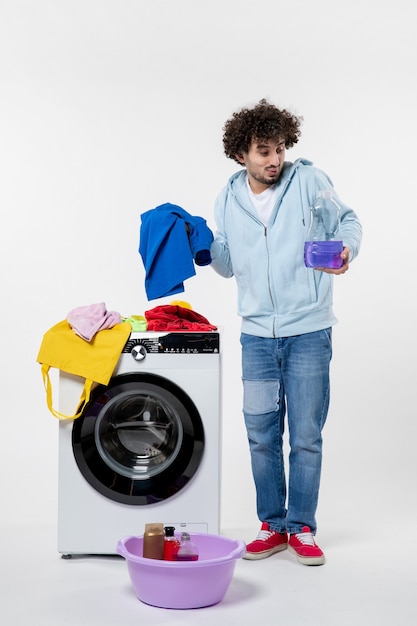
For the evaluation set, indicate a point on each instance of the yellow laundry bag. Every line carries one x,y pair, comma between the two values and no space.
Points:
94,361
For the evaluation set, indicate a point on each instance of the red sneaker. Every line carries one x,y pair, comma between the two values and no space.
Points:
305,548
266,543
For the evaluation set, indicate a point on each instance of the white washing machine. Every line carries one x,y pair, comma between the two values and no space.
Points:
147,446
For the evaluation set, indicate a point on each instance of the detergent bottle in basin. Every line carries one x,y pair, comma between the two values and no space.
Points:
153,541
187,551
171,544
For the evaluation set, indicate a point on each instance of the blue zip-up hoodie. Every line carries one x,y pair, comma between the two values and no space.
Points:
277,295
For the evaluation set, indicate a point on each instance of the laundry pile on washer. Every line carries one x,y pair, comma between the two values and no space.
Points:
78,345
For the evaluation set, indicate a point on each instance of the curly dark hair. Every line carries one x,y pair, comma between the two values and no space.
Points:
264,121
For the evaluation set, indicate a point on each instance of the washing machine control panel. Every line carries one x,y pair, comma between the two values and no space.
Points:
173,343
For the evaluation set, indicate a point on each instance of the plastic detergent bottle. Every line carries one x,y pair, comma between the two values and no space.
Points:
171,544
187,551
324,245
153,541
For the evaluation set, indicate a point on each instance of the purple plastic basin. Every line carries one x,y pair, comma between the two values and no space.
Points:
186,584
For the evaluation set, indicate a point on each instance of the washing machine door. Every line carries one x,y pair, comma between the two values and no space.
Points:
140,439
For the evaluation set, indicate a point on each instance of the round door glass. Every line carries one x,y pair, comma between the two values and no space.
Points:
140,439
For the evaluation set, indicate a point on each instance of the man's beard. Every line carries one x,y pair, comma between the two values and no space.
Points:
268,181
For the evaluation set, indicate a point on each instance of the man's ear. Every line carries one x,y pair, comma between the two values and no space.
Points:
240,158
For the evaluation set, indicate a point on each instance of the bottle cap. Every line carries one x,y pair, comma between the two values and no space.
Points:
154,529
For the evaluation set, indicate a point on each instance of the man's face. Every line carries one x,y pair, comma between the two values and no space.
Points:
264,162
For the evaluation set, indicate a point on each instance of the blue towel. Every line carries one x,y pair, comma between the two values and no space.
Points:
168,252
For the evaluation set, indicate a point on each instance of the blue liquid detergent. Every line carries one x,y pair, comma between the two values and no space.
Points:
323,254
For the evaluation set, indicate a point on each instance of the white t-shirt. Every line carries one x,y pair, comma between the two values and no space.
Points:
263,202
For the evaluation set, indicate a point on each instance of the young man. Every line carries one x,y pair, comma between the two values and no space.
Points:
262,218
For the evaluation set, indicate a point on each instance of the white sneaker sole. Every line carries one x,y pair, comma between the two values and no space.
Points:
306,560
256,556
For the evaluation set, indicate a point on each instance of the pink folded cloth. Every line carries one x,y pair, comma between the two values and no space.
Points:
87,320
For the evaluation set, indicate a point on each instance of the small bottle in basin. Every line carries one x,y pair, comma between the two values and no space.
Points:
153,541
187,551
171,544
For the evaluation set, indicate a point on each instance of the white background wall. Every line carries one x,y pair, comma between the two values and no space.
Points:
111,107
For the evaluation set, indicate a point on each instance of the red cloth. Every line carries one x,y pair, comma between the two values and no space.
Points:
174,317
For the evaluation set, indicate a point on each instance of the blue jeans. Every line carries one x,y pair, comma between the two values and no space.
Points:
286,376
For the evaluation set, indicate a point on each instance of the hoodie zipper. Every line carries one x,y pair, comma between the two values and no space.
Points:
265,228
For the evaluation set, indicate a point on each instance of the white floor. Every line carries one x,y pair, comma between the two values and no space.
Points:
366,581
